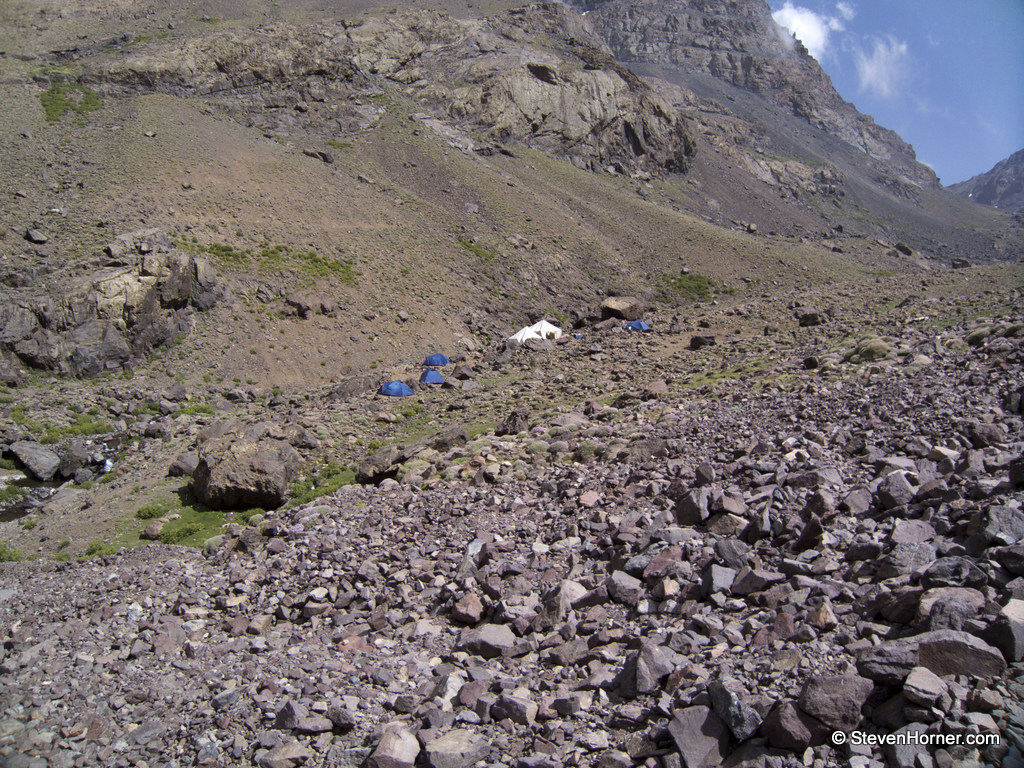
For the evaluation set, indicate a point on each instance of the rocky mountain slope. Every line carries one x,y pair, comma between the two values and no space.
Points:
779,514
711,569
1002,187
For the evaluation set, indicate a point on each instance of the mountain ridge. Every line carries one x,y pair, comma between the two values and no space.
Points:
1000,187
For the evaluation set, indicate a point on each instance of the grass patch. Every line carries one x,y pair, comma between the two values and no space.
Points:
326,481
8,464
11,493
153,510
69,97
28,525
97,548
275,258
182,533
477,250
148,408
84,424
341,146
691,287
22,419
9,555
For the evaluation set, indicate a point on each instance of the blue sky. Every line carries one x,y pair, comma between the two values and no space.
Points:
947,75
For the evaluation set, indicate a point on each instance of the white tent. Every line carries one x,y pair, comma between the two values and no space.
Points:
541,330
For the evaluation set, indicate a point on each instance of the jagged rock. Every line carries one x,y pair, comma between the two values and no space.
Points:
622,307
489,641
1007,632
75,457
890,662
923,686
835,700
948,652
788,727
398,748
700,736
742,719
456,749
184,465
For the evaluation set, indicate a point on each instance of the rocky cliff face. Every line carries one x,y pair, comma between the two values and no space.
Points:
538,76
739,43
1002,187
141,296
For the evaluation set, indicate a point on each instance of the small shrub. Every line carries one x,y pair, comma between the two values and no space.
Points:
28,525
97,548
341,146
179,533
9,555
63,544
152,510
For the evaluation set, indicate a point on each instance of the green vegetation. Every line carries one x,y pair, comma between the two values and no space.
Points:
63,544
687,287
28,525
329,479
561,317
82,425
69,97
148,408
477,250
97,548
8,464
341,146
153,510
9,555
10,493
276,258
411,409
181,534
19,417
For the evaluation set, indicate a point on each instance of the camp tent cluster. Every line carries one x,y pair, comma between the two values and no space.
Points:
430,375
540,330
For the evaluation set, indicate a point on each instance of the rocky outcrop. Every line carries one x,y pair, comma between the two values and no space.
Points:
142,296
490,78
739,43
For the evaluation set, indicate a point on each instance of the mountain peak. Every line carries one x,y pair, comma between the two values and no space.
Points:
1001,187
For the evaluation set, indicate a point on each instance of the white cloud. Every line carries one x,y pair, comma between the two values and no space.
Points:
846,10
811,28
885,70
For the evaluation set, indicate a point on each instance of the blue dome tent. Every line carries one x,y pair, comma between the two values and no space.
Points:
437,359
637,325
430,376
396,389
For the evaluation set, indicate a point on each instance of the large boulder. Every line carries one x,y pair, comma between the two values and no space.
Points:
244,468
38,460
624,307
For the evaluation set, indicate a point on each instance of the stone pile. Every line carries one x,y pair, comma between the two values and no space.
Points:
731,579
